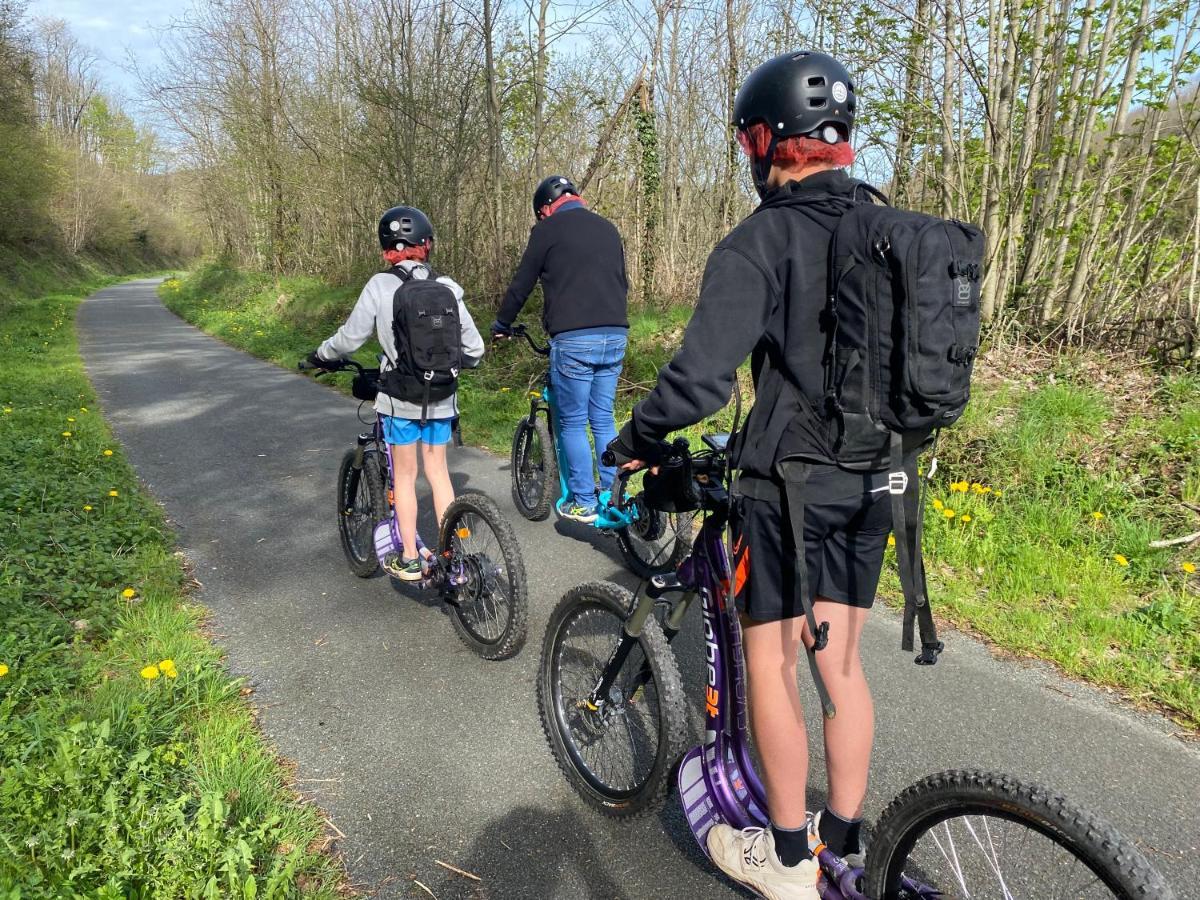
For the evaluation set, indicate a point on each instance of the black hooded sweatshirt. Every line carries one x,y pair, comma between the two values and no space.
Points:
578,256
763,295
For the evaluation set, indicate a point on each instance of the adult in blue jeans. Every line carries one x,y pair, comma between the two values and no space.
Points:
578,257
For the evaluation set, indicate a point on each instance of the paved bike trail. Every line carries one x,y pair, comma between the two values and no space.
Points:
419,751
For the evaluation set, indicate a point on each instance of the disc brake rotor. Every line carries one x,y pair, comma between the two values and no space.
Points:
648,524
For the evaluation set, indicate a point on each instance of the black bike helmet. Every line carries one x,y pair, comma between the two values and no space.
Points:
802,94
404,226
550,190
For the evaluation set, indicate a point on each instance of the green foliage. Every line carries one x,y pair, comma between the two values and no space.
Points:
1039,529
112,783
1031,569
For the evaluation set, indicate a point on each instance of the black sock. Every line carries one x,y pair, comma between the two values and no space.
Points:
791,844
838,834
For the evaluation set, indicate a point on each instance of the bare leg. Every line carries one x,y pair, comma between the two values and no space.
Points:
437,473
404,478
772,650
850,734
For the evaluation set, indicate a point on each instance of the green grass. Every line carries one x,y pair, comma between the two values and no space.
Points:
113,784
1032,570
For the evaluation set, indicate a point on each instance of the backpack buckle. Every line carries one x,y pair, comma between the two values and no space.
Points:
429,375
897,482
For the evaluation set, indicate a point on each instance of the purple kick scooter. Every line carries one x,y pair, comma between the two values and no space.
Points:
614,711
476,568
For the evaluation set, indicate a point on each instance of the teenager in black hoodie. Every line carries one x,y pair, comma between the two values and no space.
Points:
762,296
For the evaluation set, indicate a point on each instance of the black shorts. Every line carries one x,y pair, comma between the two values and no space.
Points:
847,520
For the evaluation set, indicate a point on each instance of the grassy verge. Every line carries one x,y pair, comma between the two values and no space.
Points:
1047,497
130,766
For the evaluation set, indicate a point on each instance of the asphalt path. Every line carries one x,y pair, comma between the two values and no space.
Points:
419,751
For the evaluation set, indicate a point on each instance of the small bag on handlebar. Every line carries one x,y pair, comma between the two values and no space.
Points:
672,490
365,386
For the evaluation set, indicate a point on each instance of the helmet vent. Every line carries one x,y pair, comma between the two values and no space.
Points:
816,81
817,102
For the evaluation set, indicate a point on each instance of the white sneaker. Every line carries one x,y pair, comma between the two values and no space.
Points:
748,857
815,844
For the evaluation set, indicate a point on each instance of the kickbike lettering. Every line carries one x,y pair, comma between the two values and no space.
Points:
712,694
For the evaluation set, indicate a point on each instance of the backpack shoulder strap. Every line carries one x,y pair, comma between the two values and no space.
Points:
872,194
794,473
904,486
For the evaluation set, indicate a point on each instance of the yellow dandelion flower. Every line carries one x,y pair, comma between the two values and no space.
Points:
938,504
965,517
960,486
1097,515
66,434
108,453
83,409
1121,560
171,673
505,390
70,418
949,513
114,493
3,670
167,667
87,508
891,540
977,488
129,593
150,673
1189,567
7,410
997,493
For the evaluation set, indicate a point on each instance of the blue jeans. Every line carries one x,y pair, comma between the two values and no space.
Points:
585,370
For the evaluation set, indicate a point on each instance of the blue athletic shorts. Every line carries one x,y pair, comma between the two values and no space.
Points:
402,432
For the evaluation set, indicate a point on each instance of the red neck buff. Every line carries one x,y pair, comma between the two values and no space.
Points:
552,208
418,254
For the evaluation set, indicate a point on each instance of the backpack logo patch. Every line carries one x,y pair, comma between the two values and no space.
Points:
964,291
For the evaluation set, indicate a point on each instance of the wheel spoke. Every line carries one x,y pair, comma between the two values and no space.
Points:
617,743
486,599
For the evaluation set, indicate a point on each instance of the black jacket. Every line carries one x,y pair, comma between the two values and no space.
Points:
763,295
578,256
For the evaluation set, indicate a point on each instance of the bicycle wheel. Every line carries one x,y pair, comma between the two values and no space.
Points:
491,603
656,542
617,753
534,469
362,504
983,835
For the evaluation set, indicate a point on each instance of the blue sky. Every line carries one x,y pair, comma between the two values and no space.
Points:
113,29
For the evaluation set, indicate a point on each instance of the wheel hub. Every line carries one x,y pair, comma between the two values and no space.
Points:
648,524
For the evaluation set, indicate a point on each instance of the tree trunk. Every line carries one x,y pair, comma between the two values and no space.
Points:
1082,268
539,90
495,186
913,110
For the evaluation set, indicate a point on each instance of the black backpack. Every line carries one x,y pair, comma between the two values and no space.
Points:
902,327
428,337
